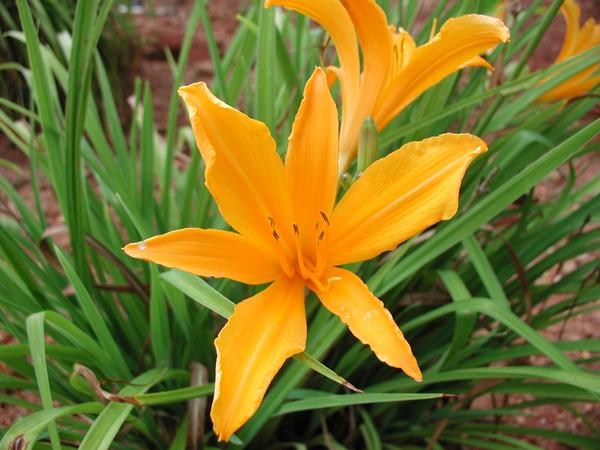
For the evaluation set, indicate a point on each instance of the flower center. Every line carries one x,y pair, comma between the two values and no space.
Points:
306,254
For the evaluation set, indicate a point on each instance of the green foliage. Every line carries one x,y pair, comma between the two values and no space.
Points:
118,39
471,295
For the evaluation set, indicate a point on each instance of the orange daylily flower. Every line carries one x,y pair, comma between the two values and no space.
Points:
290,233
577,40
395,71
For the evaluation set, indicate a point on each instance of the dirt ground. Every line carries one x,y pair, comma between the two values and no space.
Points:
166,28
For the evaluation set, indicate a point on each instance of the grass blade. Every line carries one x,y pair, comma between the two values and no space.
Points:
95,319
336,401
37,346
28,428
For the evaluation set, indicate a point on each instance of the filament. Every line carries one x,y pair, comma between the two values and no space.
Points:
299,255
280,250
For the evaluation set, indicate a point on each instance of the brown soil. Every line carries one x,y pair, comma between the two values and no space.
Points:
167,30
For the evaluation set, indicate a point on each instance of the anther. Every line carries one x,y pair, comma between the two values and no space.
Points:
275,235
296,232
324,216
321,235
271,221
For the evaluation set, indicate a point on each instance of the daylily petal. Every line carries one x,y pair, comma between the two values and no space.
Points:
377,49
589,36
478,61
401,195
334,73
404,47
576,86
262,333
577,40
244,173
459,40
334,18
209,253
571,12
312,157
368,319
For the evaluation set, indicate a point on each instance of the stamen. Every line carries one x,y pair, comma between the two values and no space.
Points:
296,232
324,216
299,255
281,251
321,257
285,266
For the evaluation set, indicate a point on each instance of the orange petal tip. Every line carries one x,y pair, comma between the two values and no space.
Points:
185,90
416,374
135,249
505,35
505,32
